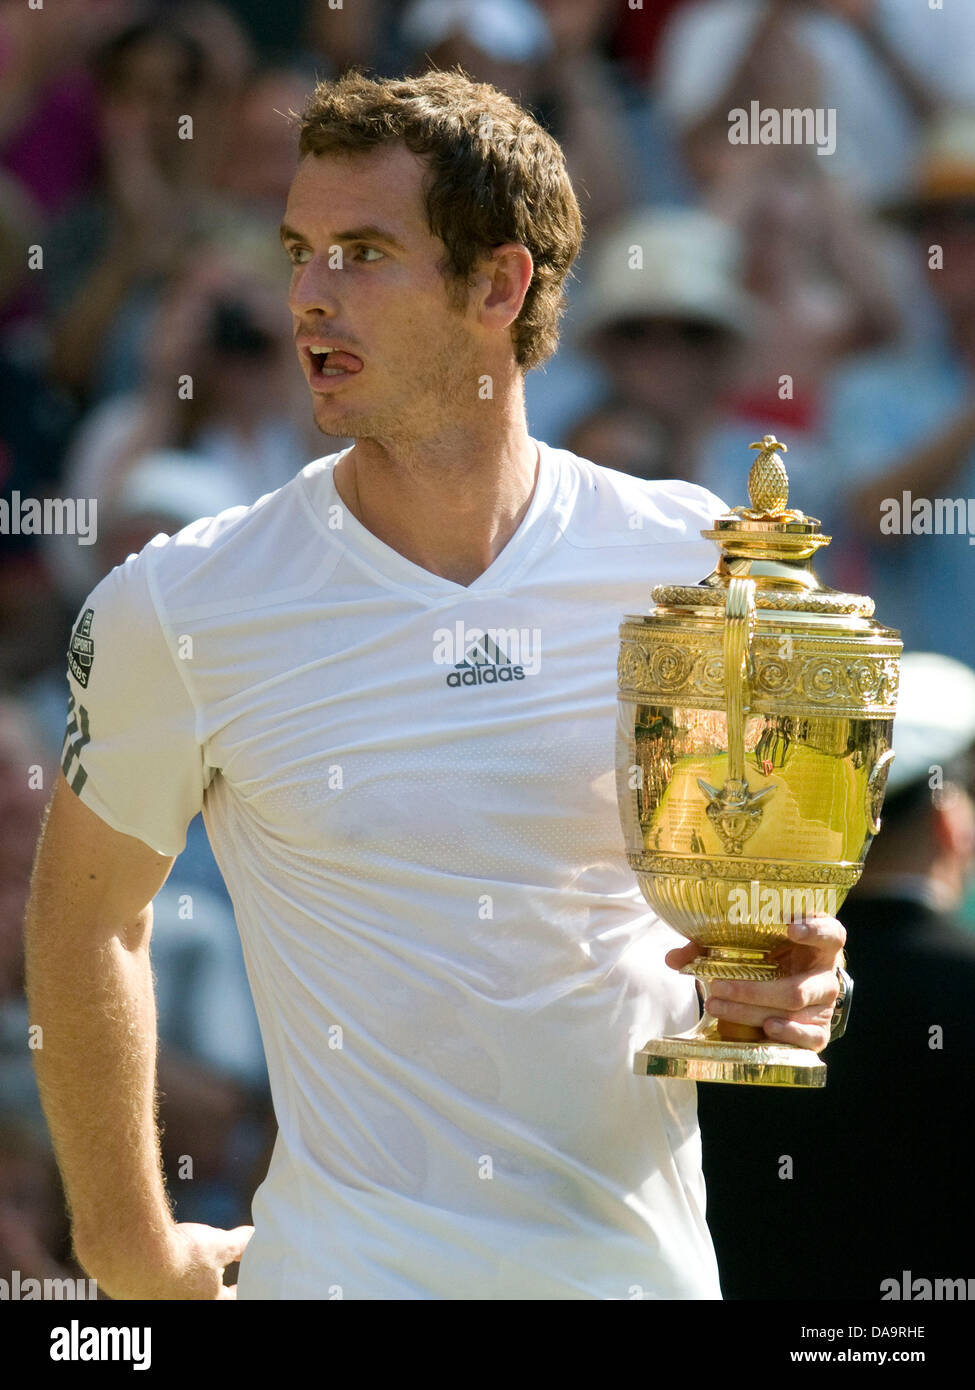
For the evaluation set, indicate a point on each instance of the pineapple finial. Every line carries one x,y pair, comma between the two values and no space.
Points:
768,482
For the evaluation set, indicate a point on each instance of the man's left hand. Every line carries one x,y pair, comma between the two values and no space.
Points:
796,1008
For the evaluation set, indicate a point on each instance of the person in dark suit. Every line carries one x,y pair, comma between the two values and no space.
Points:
892,1128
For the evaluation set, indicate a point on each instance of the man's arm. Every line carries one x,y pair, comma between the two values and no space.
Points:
89,987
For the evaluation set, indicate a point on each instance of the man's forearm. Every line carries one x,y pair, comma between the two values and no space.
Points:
93,999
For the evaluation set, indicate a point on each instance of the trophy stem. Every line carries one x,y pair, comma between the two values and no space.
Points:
734,963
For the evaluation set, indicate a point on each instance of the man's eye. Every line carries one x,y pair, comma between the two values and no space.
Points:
294,252
368,251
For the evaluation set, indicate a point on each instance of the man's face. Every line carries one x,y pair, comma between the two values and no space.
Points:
366,279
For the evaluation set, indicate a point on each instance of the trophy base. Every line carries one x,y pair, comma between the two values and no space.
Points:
701,1055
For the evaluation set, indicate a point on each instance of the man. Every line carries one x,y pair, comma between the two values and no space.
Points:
391,687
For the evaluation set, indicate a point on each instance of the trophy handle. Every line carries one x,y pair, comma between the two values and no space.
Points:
739,622
734,810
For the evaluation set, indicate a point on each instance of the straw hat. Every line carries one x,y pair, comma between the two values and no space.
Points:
672,263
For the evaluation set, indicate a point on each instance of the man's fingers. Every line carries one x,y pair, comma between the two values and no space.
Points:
795,1008
755,1015
811,1035
804,1028
234,1244
227,1291
682,955
822,933
786,996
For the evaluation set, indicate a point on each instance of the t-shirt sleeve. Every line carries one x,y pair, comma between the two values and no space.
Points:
131,751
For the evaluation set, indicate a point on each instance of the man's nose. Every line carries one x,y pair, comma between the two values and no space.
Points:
314,285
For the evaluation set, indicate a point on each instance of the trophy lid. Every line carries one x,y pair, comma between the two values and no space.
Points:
769,528
771,543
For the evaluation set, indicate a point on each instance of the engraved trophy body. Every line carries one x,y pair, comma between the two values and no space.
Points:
755,719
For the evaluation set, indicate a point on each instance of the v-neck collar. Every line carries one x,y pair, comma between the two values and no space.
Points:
395,570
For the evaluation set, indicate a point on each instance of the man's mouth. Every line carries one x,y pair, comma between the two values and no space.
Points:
332,362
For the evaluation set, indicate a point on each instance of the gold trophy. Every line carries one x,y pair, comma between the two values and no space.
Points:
755,718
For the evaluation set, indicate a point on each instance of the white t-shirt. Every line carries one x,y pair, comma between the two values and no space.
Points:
409,787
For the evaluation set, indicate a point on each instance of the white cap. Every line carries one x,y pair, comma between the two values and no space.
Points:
668,263
934,722
513,31
169,483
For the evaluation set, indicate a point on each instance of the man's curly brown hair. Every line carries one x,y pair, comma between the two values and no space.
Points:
494,176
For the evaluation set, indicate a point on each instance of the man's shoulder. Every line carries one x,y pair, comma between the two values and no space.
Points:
610,508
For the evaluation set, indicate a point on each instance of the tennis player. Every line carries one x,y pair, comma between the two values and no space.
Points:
390,687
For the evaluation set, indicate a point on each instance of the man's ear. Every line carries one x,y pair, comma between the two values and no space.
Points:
500,284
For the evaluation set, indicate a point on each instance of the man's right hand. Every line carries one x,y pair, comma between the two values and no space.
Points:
191,1266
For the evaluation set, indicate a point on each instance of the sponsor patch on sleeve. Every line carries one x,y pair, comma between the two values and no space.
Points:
81,650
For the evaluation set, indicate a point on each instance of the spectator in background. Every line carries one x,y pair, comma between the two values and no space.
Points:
108,256
48,128
548,56
259,183
214,1098
821,293
26,776
881,65
48,133
34,427
230,60
782,287
904,422
893,1121
161,492
223,325
811,266
502,44
637,37
620,436
363,35
663,320
33,1229
34,1232
582,97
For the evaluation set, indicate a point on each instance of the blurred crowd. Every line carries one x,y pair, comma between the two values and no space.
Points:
724,291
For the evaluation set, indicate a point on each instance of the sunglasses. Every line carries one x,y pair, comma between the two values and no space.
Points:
690,332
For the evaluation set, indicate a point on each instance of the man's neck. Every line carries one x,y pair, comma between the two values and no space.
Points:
450,504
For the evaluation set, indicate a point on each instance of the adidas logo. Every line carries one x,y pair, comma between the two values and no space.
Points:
487,656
